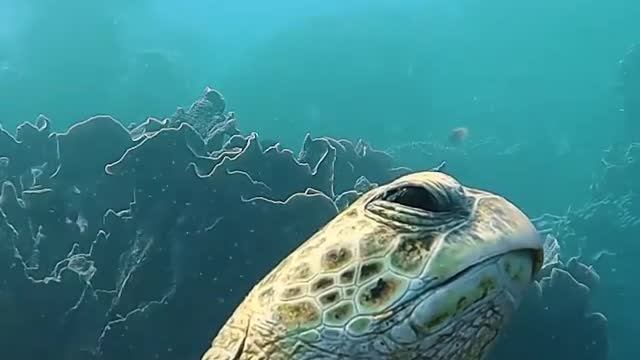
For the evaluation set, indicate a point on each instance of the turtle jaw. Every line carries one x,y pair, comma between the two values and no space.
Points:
468,311
492,259
495,227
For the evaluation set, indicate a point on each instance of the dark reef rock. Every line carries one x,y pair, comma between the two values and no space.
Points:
138,243
556,317
608,223
207,116
604,231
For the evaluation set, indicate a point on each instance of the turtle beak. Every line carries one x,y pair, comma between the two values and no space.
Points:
495,228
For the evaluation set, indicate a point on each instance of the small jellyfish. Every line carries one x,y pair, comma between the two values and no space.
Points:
458,135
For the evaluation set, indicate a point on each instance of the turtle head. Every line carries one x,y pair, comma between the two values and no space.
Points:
468,255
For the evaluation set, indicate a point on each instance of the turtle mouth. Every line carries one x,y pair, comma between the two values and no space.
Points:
462,275
484,284
536,256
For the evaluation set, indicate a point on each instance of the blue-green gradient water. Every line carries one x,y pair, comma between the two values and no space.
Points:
541,79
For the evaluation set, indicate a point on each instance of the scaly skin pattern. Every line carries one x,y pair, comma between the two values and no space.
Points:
420,268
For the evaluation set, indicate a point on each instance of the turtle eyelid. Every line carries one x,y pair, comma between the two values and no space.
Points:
417,197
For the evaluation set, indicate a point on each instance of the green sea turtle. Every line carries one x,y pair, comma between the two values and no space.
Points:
420,268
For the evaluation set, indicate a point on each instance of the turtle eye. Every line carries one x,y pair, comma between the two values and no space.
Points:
415,197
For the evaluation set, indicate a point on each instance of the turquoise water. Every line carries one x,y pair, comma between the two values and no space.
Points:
538,85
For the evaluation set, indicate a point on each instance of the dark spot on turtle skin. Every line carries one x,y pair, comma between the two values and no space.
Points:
349,291
322,284
292,292
330,298
487,285
339,314
378,290
336,258
437,320
463,303
411,254
378,293
369,270
300,315
347,276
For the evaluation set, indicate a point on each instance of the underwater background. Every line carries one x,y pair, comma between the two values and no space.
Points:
142,194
